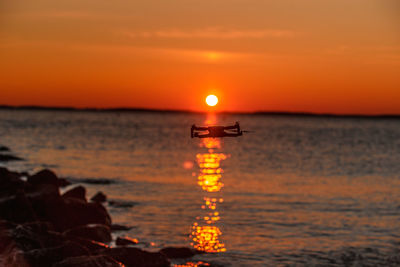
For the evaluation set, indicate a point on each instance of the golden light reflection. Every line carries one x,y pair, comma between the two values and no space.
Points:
205,233
206,238
209,163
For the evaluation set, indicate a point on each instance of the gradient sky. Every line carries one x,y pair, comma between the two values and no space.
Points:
323,56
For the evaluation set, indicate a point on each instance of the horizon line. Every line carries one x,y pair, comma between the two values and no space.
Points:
257,112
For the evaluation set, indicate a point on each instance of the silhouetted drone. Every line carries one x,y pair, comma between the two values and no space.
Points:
216,131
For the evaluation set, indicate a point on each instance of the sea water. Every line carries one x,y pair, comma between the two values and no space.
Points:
296,190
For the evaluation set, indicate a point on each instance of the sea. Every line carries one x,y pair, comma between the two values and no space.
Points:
291,191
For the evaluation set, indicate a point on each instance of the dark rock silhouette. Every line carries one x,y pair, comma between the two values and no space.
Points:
62,182
177,252
9,157
4,148
99,197
118,227
96,181
39,227
44,177
89,261
136,257
96,232
125,241
78,192
122,203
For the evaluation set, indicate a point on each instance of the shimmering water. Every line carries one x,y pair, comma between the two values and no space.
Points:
296,191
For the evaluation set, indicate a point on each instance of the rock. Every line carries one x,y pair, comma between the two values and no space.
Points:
67,213
97,232
78,192
89,261
4,148
36,236
93,246
177,252
136,257
118,227
9,157
62,182
96,181
122,204
10,254
126,241
10,183
43,177
77,212
99,197
17,209
48,256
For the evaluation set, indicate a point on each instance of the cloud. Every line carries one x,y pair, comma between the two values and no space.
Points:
212,33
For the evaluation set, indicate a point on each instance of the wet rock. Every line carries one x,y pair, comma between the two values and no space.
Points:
62,182
17,209
36,235
91,261
48,256
136,257
97,232
44,177
4,148
99,197
78,192
97,181
118,227
126,241
10,183
11,255
122,204
67,213
93,246
9,157
177,252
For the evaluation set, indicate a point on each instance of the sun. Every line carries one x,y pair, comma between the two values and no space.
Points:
211,100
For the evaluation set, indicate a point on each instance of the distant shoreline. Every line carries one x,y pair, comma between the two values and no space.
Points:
257,113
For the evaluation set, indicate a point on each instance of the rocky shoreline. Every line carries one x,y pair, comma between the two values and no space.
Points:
39,226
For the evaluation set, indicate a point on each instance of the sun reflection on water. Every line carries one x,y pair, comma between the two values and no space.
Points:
205,233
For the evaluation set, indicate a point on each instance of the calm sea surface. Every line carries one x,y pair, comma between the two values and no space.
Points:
296,191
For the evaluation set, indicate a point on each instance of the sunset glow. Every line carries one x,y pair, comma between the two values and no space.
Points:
335,56
212,100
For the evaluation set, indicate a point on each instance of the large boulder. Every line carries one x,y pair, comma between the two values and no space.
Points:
177,252
10,183
78,192
136,257
43,177
67,213
89,261
10,254
44,182
48,256
17,209
96,232
36,235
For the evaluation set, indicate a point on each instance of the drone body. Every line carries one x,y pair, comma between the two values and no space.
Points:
216,131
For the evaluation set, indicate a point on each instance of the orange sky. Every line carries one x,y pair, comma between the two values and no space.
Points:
330,56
